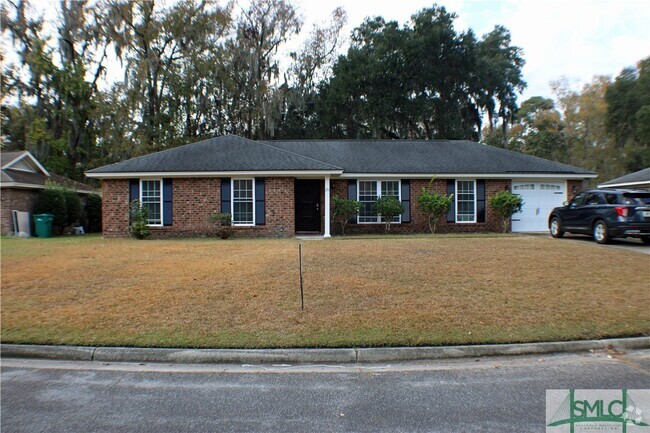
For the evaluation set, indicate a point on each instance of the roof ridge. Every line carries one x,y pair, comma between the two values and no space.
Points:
383,140
265,143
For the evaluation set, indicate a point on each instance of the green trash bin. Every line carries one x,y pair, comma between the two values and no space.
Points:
43,223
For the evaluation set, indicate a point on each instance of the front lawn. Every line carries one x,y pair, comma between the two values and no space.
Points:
358,291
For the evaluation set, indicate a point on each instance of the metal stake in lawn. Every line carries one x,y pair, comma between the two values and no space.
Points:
302,294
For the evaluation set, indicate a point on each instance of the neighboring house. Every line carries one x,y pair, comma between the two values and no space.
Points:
280,188
638,179
21,179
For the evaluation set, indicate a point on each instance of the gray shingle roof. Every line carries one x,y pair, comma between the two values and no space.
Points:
226,153
424,157
8,156
232,153
36,179
641,176
39,180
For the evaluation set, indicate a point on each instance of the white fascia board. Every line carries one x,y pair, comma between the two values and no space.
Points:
625,184
467,176
20,185
27,154
213,174
32,186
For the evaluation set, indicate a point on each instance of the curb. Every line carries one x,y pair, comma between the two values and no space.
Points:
343,356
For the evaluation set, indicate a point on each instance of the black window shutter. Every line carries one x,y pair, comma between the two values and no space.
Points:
451,189
480,201
352,195
134,190
225,195
406,200
167,192
260,210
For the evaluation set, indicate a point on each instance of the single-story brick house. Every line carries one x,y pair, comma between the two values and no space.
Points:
21,180
283,188
637,180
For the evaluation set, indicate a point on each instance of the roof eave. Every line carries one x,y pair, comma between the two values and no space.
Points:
266,173
22,185
624,184
474,175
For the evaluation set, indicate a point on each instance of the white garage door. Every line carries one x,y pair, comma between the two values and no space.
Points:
539,199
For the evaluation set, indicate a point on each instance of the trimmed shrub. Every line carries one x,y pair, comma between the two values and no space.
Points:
388,207
73,206
52,201
343,210
222,224
138,220
93,210
506,204
434,206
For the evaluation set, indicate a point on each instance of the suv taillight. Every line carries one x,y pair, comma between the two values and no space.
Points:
621,211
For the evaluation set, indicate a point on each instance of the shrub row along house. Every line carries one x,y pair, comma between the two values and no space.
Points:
283,188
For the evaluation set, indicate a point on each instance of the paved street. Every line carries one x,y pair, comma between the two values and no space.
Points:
489,394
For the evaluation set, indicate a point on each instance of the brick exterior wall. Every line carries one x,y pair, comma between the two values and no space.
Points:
193,201
115,208
573,188
419,223
15,199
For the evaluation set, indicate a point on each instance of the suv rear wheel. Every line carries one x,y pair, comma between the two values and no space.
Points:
556,231
601,232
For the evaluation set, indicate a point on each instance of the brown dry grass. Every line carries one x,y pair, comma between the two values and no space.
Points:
358,292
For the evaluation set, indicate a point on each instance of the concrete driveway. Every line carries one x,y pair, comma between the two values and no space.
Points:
627,244
499,394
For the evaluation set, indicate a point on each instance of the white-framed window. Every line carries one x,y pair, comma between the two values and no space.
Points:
151,199
367,193
550,187
243,202
525,186
465,201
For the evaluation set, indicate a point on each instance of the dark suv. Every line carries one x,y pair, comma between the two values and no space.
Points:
604,214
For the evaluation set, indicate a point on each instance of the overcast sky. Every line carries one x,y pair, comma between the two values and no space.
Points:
576,39
573,38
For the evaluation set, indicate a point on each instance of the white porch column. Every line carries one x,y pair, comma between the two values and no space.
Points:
327,207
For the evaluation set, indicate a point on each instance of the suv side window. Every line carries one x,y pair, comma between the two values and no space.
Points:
612,198
593,198
578,200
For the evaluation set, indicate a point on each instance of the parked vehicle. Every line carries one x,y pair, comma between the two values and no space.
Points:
604,214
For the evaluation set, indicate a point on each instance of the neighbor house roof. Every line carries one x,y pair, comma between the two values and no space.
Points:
343,157
21,170
636,179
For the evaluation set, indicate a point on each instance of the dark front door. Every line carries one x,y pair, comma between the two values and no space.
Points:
308,205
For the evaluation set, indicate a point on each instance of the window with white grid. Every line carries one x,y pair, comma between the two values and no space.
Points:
465,201
151,199
367,196
369,191
243,202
